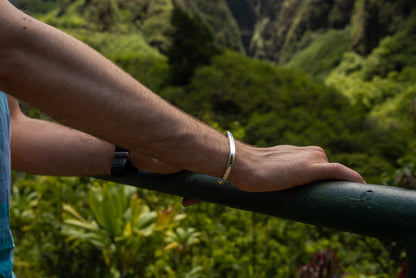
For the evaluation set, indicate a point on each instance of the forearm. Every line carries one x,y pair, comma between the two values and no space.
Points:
45,148
78,87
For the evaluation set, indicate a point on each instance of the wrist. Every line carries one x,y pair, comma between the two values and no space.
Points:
238,175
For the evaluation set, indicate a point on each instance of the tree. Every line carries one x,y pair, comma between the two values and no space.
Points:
192,45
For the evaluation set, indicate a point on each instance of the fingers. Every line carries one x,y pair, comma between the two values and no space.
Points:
186,202
336,171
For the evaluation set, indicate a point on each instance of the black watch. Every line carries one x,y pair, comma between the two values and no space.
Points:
121,166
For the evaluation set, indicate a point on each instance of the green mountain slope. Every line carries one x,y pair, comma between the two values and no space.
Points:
266,29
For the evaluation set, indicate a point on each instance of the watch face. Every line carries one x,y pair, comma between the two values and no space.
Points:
121,165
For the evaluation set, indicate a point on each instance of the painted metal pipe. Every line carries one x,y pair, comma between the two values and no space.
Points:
372,210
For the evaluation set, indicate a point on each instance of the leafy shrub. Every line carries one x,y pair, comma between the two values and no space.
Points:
41,249
37,6
192,45
394,52
124,229
370,167
274,105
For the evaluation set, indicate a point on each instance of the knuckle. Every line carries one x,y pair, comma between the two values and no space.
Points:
338,167
318,149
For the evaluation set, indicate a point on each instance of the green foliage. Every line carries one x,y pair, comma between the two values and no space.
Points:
274,105
356,78
111,44
405,175
146,20
244,244
151,18
394,52
388,98
375,19
182,239
192,45
284,28
152,70
130,52
220,16
324,54
369,167
122,229
381,82
90,14
37,6
232,244
397,112
41,249
22,208
58,19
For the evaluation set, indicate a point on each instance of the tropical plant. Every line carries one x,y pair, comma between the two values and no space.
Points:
22,204
181,239
126,231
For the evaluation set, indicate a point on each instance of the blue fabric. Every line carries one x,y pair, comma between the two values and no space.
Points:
6,238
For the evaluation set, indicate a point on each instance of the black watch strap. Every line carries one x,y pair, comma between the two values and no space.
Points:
121,166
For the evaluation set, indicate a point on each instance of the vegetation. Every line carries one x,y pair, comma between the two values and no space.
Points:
192,45
354,97
325,53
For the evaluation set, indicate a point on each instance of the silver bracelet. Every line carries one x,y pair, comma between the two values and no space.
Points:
231,159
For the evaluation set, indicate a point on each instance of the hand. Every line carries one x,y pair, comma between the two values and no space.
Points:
144,162
186,202
282,167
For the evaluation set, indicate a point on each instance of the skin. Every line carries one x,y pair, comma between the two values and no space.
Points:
57,150
81,89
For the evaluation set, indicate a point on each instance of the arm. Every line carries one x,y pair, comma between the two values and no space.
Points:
80,88
46,148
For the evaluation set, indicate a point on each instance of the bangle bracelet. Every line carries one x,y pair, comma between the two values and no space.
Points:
231,159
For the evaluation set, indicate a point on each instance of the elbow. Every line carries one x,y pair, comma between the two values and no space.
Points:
10,40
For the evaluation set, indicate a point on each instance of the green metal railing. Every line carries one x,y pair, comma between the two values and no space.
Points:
371,210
